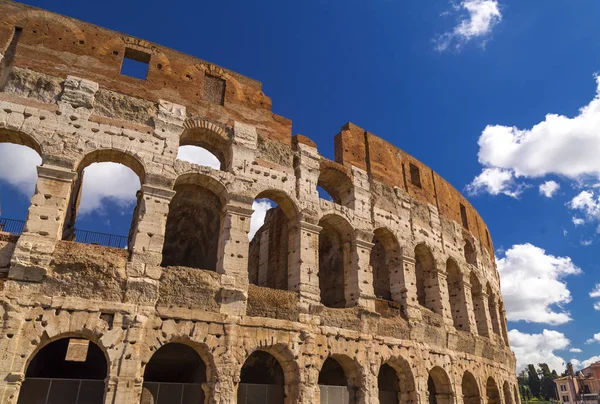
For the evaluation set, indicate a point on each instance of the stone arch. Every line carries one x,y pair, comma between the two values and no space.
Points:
175,362
508,399
203,133
492,393
341,375
439,387
21,138
268,262
406,390
470,253
27,15
217,71
65,367
386,263
337,182
335,252
470,389
125,158
458,306
193,223
274,365
516,394
478,304
426,277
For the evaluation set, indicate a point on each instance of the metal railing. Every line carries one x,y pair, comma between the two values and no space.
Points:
104,239
74,391
11,226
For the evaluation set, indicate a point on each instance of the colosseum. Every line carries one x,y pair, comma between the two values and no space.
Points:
387,293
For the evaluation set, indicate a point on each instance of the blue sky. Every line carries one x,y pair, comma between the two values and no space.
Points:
434,78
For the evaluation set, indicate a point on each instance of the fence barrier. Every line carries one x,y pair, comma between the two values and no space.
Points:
11,226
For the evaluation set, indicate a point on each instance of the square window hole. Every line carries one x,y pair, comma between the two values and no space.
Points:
135,64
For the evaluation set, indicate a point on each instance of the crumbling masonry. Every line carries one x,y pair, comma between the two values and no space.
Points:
388,293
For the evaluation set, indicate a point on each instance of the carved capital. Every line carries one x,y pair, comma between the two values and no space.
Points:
56,173
156,192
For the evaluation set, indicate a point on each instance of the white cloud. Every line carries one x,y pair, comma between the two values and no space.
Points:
198,155
549,188
595,338
104,182
595,294
587,204
260,206
577,221
575,350
476,20
557,145
578,365
532,284
18,167
495,181
538,348
586,243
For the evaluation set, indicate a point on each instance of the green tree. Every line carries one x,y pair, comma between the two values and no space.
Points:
547,389
533,381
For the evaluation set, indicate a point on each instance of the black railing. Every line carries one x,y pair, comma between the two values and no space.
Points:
11,226
107,240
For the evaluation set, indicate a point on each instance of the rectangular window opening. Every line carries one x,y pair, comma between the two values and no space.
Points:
463,216
415,176
214,89
135,64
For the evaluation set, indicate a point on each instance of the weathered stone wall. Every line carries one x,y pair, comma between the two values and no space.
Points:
395,231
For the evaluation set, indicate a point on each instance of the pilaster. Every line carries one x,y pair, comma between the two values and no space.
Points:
303,262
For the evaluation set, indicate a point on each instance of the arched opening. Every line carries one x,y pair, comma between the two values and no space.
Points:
493,308
193,223
104,199
262,380
491,392
388,384
516,393
19,157
202,143
425,277
271,233
69,370
456,294
335,252
439,388
386,262
334,384
508,399
199,156
174,374
470,389
470,253
478,304
336,182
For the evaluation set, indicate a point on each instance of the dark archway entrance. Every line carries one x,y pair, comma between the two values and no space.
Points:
333,384
388,384
174,375
262,380
66,371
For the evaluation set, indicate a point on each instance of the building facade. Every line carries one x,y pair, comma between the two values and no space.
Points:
388,293
581,387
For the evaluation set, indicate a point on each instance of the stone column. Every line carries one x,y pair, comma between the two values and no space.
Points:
503,325
436,287
303,262
468,318
359,274
409,290
483,314
263,259
147,236
242,151
493,310
44,224
12,372
232,261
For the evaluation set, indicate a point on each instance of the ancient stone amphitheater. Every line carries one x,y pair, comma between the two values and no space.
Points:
388,293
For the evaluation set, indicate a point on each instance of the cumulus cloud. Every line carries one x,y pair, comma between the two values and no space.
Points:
538,348
575,350
105,183
476,20
587,204
198,155
594,339
18,167
578,365
549,188
595,294
532,284
495,181
260,206
577,221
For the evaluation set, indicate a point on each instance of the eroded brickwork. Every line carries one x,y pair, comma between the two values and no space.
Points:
390,290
